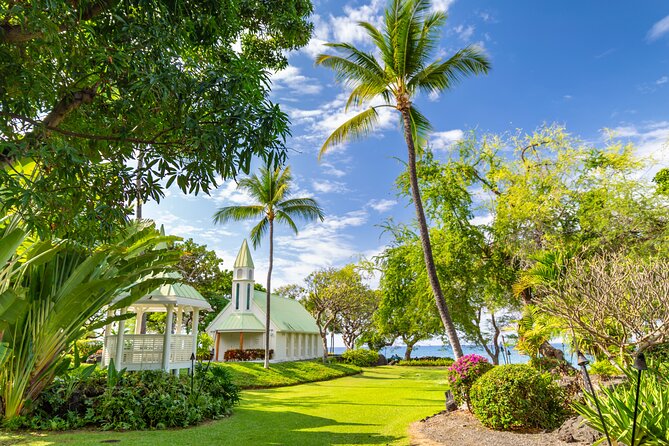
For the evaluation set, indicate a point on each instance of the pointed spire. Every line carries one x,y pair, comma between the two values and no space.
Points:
244,259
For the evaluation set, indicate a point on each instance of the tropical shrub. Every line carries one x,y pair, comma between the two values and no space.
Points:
427,362
604,369
204,345
617,406
463,373
658,354
361,357
134,400
54,287
517,396
250,354
544,363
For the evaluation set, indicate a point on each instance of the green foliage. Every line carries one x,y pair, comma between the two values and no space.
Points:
131,401
604,369
617,406
252,375
87,86
463,373
204,345
407,309
339,300
659,354
58,286
361,357
661,178
201,268
516,396
545,364
427,362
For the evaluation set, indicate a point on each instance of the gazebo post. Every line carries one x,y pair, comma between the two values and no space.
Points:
118,363
167,339
138,320
180,315
196,322
107,333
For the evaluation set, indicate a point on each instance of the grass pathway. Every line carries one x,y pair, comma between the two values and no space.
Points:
373,408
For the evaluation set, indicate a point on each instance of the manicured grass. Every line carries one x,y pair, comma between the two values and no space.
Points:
372,408
252,375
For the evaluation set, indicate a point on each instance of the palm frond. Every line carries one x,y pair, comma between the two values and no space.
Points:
287,220
238,213
305,208
439,76
358,126
420,126
259,231
348,71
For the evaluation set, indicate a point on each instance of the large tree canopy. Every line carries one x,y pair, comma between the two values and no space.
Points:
86,86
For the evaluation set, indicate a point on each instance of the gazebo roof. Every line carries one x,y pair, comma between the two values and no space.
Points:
173,294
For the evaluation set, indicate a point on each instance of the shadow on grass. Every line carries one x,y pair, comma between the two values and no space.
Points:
248,427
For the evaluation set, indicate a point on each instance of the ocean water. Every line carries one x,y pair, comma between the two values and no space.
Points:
443,351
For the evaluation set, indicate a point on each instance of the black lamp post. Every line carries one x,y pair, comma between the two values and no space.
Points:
640,365
192,372
582,361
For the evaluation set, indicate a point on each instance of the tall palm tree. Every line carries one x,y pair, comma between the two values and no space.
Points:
271,190
404,44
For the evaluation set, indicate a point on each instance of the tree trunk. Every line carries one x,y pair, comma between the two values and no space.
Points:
324,338
138,185
269,289
407,353
425,241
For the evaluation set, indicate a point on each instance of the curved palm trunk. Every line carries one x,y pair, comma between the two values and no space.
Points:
425,241
269,289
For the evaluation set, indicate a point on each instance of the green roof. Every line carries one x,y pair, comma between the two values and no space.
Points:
287,314
180,292
241,322
244,259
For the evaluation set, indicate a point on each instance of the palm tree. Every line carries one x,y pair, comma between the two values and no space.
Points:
405,42
271,191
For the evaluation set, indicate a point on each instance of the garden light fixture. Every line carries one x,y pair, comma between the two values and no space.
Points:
640,365
582,361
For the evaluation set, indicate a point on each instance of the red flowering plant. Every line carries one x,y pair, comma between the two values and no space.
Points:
463,373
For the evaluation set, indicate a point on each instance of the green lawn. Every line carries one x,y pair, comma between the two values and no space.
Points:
252,375
371,408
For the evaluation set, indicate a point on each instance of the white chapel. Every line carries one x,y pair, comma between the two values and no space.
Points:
241,324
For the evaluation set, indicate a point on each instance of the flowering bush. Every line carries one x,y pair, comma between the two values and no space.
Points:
246,355
463,373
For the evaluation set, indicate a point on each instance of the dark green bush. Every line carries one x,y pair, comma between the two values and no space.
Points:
427,362
517,396
658,354
361,357
132,400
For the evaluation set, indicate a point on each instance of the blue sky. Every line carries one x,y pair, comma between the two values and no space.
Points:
588,65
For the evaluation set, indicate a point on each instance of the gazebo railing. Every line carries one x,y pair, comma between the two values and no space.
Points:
147,349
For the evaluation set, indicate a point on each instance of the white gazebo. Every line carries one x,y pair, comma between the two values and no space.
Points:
144,351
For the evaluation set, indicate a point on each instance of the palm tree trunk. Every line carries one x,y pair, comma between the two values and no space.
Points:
425,241
269,289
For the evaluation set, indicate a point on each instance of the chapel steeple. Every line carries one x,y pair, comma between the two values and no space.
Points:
242,280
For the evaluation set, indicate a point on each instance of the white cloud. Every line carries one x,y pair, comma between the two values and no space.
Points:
441,5
345,28
465,33
382,205
482,219
322,121
567,97
330,169
444,140
292,79
318,245
659,29
662,80
328,187
228,194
